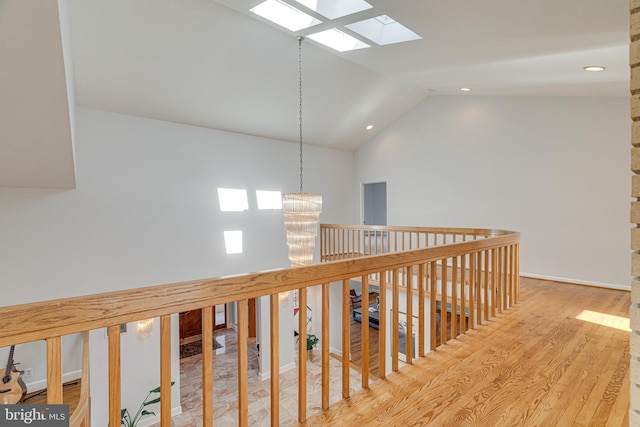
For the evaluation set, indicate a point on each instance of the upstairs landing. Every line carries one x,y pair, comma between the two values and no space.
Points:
558,358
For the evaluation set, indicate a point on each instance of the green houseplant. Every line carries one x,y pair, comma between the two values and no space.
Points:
125,417
312,341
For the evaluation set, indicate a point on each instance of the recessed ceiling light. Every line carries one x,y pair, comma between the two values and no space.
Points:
465,89
284,15
338,40
369,127
594,68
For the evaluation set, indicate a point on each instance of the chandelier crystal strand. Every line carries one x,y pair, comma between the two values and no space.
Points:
301,210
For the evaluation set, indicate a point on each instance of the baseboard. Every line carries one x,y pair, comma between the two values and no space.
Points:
42,384
335,351
579,282
284,368
149,421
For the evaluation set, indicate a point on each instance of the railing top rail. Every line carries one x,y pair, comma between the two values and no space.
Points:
42,320
488,232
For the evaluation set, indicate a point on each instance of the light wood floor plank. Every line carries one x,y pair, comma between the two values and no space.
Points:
536,364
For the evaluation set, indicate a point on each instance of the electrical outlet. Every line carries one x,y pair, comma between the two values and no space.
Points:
28,373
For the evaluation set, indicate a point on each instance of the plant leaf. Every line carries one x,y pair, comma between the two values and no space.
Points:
157,389
145,412
151,402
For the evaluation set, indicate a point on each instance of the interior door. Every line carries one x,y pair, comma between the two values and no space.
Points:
374,203
191,321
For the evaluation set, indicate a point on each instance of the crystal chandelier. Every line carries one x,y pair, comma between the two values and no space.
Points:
301,210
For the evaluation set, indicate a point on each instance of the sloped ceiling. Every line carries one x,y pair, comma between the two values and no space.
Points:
211,63
36,148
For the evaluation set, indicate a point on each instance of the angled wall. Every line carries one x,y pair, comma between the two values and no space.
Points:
634,61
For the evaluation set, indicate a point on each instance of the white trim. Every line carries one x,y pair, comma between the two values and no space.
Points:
336,351
284,368
578,282
42,384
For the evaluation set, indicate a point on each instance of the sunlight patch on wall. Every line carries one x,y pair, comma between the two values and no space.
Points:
269,199
617,322
233,241
233,200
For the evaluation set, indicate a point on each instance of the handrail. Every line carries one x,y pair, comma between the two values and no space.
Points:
40,320
477,274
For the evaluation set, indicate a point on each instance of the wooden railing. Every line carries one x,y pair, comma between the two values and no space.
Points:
473,279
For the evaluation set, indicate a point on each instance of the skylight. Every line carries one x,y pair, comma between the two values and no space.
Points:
333,9
285,15
383,30
233,241
338,40
269,199
233,200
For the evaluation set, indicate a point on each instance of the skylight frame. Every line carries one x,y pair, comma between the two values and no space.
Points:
383,30
285,15
334,9
338,40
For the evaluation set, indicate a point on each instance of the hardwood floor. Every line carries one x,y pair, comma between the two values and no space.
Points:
70,396
558,358
356,346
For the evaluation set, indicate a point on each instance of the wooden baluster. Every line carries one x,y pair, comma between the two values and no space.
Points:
274,334
495,282
364,348
433,279
352,246
498,271
207,366
325,345
512,276
472,289
54,370
487,284
443,303
490,273
505,279
114,375
421,322
463,294
302,356
165,370
382,327
479,286
395,320
346,338
243,367
517,272
409,332
454,296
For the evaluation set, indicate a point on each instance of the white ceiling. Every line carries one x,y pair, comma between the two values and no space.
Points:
212,63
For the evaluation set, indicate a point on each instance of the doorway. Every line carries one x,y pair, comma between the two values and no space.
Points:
191,321
374,203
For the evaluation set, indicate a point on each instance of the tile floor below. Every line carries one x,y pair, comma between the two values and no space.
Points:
225,386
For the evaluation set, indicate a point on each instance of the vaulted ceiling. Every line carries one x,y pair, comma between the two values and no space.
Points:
212,64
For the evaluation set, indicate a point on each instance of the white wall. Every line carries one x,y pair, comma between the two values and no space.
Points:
552,168
145,212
